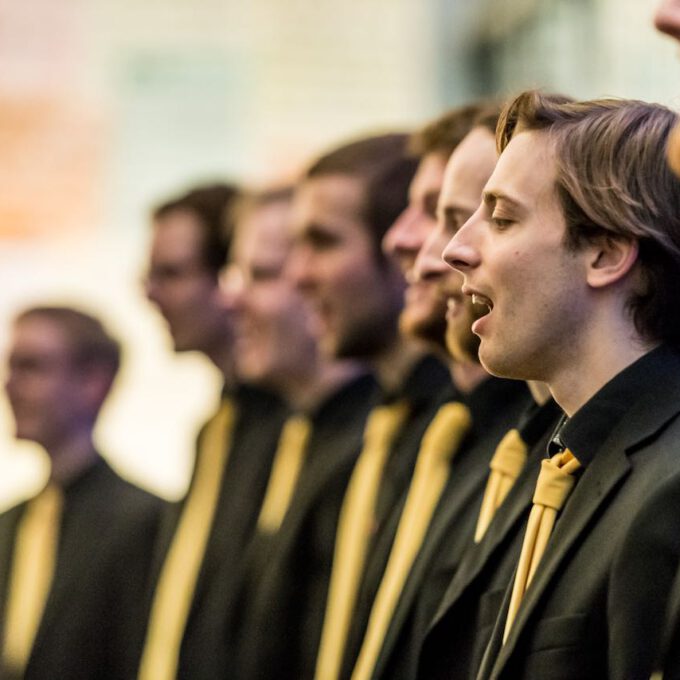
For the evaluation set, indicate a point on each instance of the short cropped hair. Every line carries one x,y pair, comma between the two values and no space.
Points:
612,182
444,134
384,167
90,343
254,200
210,204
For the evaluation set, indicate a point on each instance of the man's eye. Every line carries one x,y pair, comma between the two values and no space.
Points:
500,222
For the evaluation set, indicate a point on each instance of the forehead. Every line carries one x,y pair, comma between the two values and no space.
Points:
39,336
429,175
176,236
468,169
526,170
331,201
263,233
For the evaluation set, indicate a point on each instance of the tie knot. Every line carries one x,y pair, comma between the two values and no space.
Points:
383,423
556,480
510,455
446,431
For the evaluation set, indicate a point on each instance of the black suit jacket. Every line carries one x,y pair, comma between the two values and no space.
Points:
458,634
495,406
259,419
564,627
669,656
285,589
89,628
642,594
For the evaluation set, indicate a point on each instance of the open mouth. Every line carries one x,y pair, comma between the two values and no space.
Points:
483,301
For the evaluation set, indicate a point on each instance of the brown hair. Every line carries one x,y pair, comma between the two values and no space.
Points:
385,168
210,204
254,200
90,344
445,133
612,182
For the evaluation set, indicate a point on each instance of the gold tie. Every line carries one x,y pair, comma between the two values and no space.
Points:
288,461
35,554
177,581
440,443
553,487
353,535
506,464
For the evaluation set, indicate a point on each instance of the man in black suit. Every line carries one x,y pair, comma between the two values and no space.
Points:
495,406
276,349
190,246
90,531
424,385
576,280
341,209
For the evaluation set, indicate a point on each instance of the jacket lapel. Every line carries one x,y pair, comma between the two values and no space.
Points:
514,510
607,471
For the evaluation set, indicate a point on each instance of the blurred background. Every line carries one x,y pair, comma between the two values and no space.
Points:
108,106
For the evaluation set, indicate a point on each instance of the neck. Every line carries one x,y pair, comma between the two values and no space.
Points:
71,456
594,362
305,393
222,357
395,363
466,375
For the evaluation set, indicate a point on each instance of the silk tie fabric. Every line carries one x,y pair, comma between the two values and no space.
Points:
357,517
177,581
35,554
507,463
555,482
439,445
288,462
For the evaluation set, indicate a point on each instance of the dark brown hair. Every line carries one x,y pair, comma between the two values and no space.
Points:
613,182
210,204
384,167
90,344
445,133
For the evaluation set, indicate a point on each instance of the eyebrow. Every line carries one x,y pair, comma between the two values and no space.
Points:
451,211
490,198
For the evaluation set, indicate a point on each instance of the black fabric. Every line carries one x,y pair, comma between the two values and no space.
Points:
495,405
259,418
566,624
460,630
90,626
286,576
644,627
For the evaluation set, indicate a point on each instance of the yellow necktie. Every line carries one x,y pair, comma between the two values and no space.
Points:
506,464
35,554
177,581
353,535
288,461
553,487
440,443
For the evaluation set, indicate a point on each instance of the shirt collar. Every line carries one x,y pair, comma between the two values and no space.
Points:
588,429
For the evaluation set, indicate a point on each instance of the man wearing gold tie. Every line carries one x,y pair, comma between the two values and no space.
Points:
75,559
574,254
423,318
419,562
342,207
276,348
449,649
205,535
